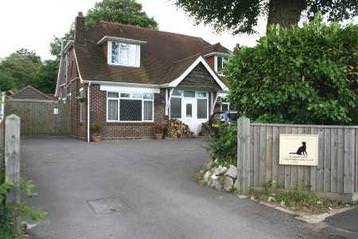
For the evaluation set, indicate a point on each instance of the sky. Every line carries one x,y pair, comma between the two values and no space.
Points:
33,24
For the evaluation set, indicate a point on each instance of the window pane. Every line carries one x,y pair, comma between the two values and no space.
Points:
148,110
115,52
175,108
113,94
130,110
177,92
189,93
125,95
112,109
148,96
202,108
124,54
220,63
202,94
189,110
224,107
137,95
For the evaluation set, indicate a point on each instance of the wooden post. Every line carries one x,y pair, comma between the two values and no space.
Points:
243,154
12,162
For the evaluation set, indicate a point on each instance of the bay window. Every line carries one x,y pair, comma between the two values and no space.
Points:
130,107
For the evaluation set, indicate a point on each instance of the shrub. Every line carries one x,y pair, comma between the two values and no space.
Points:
95,128
223,145
298,75
7,211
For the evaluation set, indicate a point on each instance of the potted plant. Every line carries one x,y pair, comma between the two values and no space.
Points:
96,132
158,131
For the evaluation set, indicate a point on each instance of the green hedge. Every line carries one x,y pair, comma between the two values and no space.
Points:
298,75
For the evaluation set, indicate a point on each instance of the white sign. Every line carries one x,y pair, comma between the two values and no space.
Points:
299,149
55,111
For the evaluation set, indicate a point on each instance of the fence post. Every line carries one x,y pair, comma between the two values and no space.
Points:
12,162
243,154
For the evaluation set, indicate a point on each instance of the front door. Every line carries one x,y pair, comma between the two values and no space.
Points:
189,113
194,109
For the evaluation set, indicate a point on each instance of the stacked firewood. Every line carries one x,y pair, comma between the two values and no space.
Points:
178,129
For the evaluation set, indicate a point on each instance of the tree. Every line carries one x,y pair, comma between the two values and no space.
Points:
7,82
23,68
20,69
46,77
122,11
298,75
241,16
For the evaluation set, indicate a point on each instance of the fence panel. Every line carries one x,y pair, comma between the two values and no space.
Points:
40,117
2,150
337,169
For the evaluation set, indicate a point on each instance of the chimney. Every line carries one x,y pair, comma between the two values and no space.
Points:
237,47
79,26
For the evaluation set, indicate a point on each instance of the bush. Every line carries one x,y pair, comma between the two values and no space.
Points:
298,75
95,128
7,211
223,145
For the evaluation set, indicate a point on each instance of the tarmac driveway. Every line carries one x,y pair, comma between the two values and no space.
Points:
141,189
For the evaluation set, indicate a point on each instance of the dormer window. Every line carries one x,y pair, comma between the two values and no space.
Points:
123,54
220,63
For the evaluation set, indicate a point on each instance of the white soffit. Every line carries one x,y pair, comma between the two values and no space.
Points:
129,89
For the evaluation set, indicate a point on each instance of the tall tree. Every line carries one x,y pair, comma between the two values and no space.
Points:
122,11
241,16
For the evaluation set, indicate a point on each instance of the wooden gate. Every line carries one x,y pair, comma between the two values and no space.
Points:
40,117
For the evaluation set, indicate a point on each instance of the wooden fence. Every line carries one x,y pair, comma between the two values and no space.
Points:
40,117
258,158
2,150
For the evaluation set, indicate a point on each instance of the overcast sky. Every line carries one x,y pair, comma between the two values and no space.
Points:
33,24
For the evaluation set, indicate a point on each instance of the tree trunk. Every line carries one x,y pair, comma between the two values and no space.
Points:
285,12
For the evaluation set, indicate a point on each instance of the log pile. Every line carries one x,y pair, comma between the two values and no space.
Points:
177,129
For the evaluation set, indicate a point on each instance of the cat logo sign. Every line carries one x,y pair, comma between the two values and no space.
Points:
299,149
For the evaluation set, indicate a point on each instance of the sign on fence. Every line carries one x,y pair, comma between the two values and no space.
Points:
331,150
299,149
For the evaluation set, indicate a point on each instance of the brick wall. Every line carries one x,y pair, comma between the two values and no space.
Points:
78,129
210,60
123,130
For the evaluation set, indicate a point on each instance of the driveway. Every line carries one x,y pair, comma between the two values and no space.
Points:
142,189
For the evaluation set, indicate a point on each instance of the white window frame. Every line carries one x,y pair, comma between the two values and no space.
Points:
196,97
137,54
225,103
207,103
129,98
224,60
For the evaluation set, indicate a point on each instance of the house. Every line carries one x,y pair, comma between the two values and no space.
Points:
129,78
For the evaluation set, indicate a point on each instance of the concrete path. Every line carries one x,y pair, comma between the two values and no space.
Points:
143,189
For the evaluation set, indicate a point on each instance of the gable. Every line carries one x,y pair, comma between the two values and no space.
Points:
199,78
32,93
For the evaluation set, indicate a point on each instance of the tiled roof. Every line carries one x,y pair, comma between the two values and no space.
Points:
164,56
31,93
